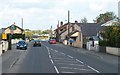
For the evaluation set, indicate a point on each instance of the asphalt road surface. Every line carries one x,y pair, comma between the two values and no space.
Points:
57,58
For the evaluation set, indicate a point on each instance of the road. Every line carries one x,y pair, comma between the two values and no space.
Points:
58,58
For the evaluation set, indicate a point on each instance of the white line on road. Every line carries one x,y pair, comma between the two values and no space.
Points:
56,69
79,61
50,56
67,72
62,53
70,56
52,60
70,64
76,68
55,50
94,69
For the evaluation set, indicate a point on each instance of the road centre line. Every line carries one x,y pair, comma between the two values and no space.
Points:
50,56
52,60
56,69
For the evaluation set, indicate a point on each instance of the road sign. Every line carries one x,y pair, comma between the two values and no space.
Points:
13,27
4,36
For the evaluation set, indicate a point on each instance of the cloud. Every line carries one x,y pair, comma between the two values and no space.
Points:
41,14
96,7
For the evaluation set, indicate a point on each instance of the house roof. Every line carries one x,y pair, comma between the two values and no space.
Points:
89,29
109,23
17,27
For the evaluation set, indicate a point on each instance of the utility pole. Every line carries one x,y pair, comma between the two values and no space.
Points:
23,35
22,22
68,26
57,32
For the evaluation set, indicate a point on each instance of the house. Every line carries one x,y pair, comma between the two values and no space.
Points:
79,32
62,31
84,33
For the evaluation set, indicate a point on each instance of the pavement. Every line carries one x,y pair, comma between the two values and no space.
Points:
9,58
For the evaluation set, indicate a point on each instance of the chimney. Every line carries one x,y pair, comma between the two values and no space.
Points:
76,21
61,23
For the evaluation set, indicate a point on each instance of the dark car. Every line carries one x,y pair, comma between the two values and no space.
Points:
36,43
21,45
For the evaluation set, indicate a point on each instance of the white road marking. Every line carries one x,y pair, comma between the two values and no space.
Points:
67,72
94,69
63,53
56,69
52,60
70,64
70,56
13,63
76,68
79,61
67,61
59,58
55,50
50,56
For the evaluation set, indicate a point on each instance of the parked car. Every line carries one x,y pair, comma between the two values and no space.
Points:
21,45
36,43
52,41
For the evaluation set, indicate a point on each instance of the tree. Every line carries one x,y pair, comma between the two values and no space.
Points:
105,17
111,36
84,20
46,31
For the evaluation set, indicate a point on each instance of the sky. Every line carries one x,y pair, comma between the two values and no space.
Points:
42,14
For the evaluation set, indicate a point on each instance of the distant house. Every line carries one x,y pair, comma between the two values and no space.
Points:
62,31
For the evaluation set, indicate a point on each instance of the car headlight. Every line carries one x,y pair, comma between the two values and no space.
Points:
17,44
25,45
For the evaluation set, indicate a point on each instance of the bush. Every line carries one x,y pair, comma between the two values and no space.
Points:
103,43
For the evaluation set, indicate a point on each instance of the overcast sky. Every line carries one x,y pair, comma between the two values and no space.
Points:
41,14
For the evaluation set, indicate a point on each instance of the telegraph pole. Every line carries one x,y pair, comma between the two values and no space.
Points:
23,35
22,22
68,26
68,22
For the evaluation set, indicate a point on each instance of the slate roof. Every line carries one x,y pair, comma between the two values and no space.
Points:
89,29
